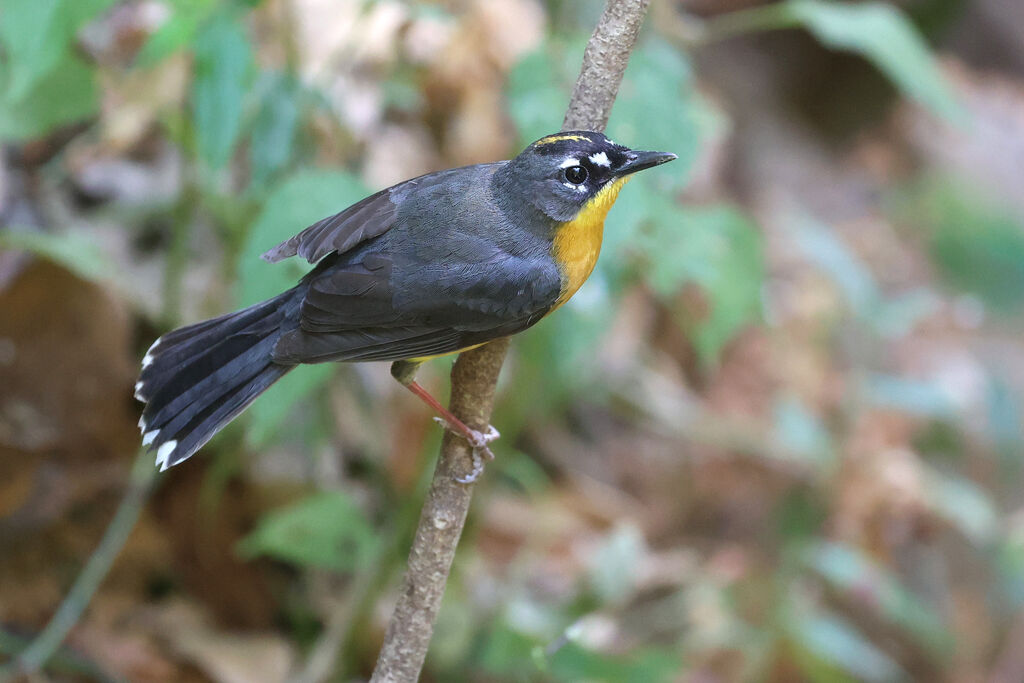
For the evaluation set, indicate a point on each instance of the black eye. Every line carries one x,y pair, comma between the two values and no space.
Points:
576,174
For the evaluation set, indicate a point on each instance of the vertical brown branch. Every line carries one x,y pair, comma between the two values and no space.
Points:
474,378
604,61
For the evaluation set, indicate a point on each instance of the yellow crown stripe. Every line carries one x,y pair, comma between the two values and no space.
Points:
559,137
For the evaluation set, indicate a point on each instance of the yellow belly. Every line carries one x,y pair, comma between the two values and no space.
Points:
422,359
577,243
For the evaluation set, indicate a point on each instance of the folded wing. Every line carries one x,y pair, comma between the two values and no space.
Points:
365,311
362,221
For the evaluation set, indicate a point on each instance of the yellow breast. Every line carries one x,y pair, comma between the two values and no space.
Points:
578,242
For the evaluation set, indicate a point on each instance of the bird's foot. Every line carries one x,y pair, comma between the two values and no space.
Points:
478,441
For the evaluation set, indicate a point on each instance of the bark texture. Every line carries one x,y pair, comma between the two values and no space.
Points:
604,61
474,379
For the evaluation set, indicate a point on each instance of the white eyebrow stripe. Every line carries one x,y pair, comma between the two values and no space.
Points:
570,162
600,159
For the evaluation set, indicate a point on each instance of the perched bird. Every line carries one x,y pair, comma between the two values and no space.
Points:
431,266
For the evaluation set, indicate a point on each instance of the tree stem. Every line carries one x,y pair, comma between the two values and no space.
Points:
42,647
474,379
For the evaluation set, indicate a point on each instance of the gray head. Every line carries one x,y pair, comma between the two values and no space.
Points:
560,174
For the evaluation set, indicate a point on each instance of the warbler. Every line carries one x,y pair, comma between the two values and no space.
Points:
431,266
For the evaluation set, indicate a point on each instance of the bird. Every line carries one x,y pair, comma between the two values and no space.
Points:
432,266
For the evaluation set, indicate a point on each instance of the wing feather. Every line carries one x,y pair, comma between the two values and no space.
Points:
389,343
366,219
363,220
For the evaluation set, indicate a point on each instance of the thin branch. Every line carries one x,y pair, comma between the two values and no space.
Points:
39,651
474,378
604,62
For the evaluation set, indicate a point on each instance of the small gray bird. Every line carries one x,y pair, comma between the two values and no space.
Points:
431,266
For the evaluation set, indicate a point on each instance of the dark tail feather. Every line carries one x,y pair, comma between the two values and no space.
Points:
198,378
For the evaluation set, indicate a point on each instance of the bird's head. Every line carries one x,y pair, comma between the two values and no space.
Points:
561,174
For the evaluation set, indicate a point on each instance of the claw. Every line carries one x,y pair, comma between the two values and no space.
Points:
475,438
478,467
478,440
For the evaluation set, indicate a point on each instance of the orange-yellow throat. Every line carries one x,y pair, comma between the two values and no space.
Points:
577,243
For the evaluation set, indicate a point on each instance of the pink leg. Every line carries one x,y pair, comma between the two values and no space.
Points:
476,439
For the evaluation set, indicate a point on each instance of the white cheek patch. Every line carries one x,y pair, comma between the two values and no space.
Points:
569,163
600,159
578,188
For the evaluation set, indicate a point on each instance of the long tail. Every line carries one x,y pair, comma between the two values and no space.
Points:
198,378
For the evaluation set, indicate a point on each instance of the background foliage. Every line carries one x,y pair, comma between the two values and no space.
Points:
776,437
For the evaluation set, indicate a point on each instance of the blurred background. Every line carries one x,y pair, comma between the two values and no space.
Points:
776,437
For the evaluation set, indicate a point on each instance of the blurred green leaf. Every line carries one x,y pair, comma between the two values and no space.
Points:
717,248
177,32
1009,561
913,396
574,663
801,432
831,647
273,132
73,250
963,504
554,360
882,34
37,36
801,514
537,91
325,530
869,585
658,108
524,473
30,31
223,60
270,410
897,315
64,95
977,244
508,652
1005,425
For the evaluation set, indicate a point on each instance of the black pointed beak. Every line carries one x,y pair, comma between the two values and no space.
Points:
638,161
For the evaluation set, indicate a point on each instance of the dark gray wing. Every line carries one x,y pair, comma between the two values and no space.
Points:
362,221
368,311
